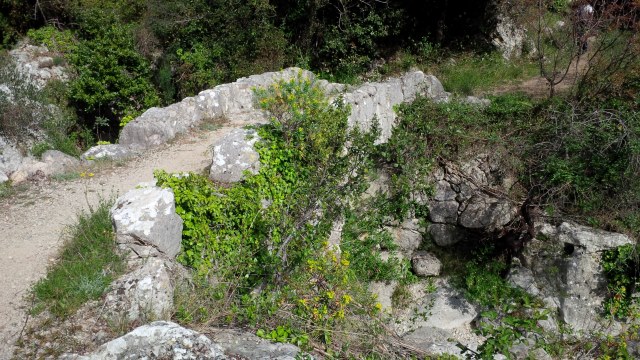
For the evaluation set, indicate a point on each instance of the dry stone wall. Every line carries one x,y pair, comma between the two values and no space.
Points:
236,102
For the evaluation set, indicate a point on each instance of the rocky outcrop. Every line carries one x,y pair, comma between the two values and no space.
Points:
377,100
158,340
10,158
233,155
425,264
37,64
145,221
563,267
236,102
469,197
142,294
53,162
436,322
508,38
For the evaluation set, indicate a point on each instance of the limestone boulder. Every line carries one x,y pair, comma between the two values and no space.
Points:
242,345
486,213
157,340
436,321
35,63
407,236
446,234
233,155
588,238
566,266
234,101
109,151
446,308
142,294
508,38
145,217
58,162
425,264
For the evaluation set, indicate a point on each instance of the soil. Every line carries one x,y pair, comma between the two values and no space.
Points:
33,221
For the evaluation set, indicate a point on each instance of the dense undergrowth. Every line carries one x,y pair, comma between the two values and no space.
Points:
261,246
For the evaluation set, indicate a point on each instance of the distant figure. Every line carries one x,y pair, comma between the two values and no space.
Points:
583,25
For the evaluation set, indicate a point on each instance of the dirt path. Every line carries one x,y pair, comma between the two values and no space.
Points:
32,222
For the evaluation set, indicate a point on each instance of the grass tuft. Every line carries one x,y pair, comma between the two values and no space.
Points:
87,264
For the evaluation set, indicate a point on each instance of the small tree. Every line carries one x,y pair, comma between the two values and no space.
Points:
560,34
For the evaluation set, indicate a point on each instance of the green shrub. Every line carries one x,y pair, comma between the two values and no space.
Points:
590,157
55,40
269,232
302,164
429,132
112,80
508,314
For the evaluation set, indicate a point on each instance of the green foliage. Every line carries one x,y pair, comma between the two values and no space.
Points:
112,80
364,237
429,132
55,40
269,232
590,157
284,334
620,266
302,171
88,263
206,44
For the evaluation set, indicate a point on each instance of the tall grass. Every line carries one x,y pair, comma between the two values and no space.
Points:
468,74
87,264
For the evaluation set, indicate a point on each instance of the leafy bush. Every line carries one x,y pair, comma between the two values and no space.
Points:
590,156
54,39
428,133
206,44
112,80
302,172
261,243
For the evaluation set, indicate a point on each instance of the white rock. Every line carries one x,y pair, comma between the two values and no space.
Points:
147,216
142,294
233,155
158,340
425,264
110,151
